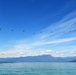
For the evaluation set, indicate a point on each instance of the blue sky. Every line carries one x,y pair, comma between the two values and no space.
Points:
39,27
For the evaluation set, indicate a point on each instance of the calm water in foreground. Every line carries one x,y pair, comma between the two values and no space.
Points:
38,69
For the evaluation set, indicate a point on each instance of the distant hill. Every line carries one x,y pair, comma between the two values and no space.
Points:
73,61
41,58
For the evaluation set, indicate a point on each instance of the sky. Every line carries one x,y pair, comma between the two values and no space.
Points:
37,27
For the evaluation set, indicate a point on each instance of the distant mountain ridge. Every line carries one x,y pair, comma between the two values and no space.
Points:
73,60
40,58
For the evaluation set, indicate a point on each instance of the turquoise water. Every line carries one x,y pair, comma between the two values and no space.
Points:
38,69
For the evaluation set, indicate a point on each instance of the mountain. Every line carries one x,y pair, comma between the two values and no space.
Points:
73,61
40,58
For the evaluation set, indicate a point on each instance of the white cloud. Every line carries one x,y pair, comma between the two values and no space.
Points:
57,41
6,54
58,29
54,34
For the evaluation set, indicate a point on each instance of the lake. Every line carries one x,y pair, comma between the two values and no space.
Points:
38,68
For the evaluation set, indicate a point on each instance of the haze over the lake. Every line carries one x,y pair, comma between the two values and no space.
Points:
37,27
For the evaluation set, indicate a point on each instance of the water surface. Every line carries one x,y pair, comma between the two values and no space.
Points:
38,68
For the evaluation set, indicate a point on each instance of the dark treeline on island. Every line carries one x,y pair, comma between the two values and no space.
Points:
40,58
